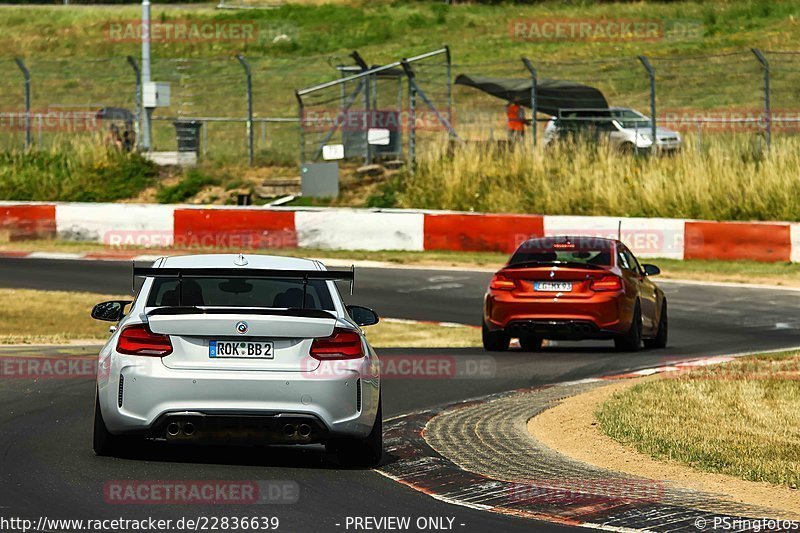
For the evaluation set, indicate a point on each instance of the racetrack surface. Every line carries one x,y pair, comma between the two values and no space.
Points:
49,469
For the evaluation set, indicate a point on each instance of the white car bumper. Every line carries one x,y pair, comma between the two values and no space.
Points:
138,394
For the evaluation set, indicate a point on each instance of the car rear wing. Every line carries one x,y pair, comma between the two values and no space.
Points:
194,310
301,275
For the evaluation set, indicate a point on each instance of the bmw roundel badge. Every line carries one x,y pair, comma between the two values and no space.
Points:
241,327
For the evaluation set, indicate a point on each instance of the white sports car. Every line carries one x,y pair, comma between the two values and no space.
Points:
228,348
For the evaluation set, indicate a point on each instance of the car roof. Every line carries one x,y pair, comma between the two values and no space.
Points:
579,240
276,262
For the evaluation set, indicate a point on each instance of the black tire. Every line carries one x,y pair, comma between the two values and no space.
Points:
105,443
364,452
660,340
494,341
632,340
530,344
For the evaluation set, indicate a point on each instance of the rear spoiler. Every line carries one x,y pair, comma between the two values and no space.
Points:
192,310
301,275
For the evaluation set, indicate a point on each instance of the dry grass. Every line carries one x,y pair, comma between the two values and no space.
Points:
778,274
728,179
44,317
393,333
740,418
50,317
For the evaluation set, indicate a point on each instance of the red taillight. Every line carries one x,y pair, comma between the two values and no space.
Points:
139,340
501,283
607,283
343,344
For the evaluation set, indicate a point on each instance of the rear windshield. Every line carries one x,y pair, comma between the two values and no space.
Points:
592,256
239,292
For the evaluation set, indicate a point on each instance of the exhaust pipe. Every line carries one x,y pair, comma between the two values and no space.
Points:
304,430
188,429
289,430
173,429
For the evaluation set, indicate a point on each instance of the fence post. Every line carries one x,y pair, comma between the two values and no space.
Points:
767,108
369,86
301,113
412,124
147,116
367,119
412,81
449,83
137,98
249,77
26,73
651,73
534,105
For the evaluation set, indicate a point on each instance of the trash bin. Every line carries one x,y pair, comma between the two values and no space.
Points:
187,133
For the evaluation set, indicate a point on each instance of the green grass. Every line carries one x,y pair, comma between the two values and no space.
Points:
191,184
73,62
77,172
398,27
740,418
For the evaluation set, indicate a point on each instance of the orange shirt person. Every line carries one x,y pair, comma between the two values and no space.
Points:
515,116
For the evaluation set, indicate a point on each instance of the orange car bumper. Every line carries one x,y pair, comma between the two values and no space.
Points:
602,315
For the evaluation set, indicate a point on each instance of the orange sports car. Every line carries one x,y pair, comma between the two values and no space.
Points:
574,288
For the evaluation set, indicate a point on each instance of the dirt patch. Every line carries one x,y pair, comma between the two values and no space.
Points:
571,429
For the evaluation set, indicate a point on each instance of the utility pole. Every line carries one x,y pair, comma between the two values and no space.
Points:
148,111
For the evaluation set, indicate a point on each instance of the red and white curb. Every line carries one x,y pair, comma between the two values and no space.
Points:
418,466
157,225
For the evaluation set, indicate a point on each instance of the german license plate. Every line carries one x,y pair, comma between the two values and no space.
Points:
242,349
553,286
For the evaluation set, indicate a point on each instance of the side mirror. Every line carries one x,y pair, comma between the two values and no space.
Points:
363,316
651,270
112,311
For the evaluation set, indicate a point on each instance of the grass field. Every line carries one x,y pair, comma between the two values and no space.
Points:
710,184
47,317
76,62
394,28
74,171
75,59
740,418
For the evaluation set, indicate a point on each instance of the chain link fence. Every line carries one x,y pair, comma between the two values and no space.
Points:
746,97
378,112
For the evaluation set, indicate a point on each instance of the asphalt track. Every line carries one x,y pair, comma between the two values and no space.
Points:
48,467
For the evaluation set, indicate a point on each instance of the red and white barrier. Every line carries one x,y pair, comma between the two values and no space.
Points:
359,229
156,225
116,224
795,235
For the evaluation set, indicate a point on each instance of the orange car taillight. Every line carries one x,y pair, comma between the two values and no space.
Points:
139,340
607,283
501,283
343,344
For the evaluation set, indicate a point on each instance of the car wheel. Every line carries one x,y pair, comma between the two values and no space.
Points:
627,149
660,340
494,341
364,452
632,340
530,344
105,443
